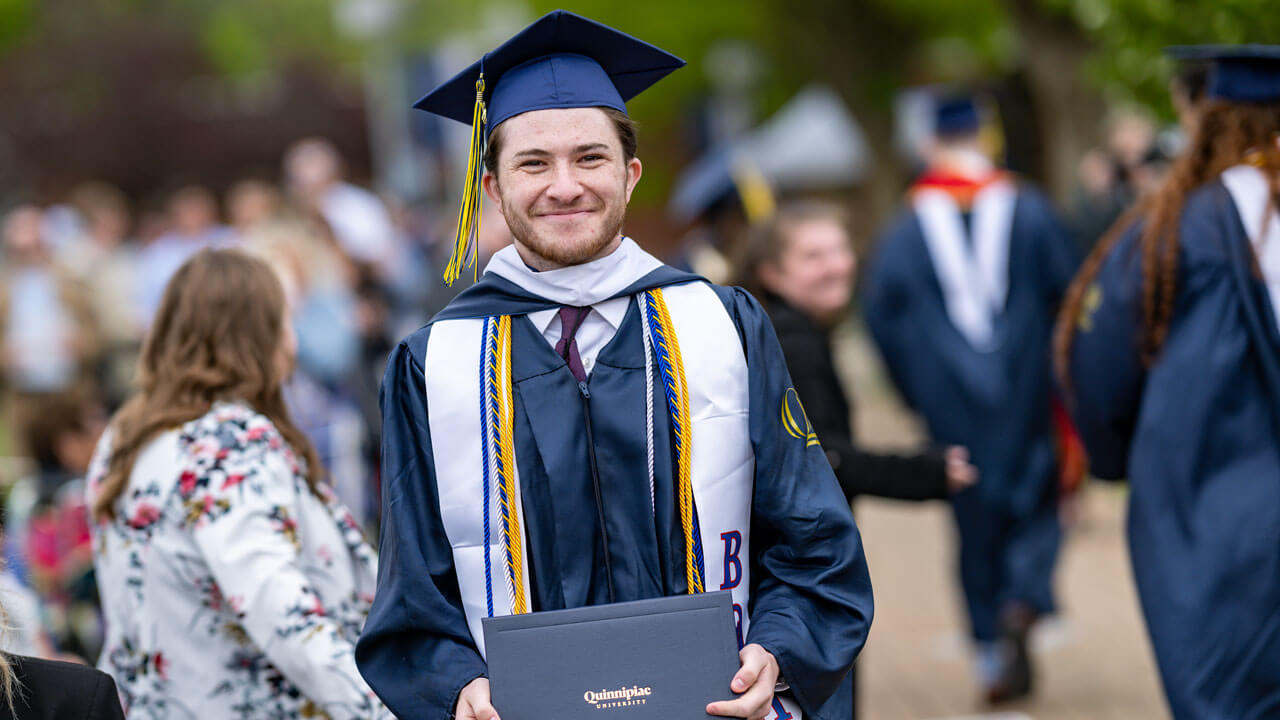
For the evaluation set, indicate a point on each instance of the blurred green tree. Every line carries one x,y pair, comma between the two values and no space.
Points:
1068,58
15,21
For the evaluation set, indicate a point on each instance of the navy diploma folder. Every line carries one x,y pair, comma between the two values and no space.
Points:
661,658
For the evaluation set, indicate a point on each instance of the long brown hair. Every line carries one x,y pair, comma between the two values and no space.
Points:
217,336
1225,134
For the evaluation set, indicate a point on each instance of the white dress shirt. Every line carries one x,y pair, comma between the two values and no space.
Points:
590,284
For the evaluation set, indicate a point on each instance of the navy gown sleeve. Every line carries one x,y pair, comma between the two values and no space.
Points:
415,651
1105,371
811,595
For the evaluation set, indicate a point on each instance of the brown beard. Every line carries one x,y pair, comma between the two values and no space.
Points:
557,252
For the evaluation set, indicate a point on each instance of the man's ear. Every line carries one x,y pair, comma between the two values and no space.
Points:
633,175
489,182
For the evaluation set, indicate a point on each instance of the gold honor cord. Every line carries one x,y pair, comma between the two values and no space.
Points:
678,387
506,456
464,246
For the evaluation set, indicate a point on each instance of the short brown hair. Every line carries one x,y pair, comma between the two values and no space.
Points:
625,126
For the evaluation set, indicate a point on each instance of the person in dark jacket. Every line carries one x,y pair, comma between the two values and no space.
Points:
36,689
800,264
52,690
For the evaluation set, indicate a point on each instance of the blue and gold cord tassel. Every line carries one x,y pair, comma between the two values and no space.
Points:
464,246
671,366
488,349
500,416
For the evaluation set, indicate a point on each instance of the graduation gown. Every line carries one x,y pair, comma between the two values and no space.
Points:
810,592
995,402
1198,436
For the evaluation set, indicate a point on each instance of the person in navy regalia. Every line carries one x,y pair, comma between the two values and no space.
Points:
586,425
1169,347
960,298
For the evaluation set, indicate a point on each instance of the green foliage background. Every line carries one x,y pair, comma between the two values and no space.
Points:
866,49
937,36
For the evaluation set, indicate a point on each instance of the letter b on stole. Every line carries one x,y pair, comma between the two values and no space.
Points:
732,563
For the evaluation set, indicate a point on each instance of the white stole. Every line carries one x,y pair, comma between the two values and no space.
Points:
975,283
1251,193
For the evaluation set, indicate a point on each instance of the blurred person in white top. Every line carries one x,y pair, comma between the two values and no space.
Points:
359,220
106,259
47,330
192,215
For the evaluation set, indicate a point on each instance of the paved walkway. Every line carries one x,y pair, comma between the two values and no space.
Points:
1094,660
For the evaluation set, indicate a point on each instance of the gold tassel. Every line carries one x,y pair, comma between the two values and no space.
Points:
753,188
464,244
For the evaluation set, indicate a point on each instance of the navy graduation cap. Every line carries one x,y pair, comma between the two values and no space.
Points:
1237,73
956,115
562,60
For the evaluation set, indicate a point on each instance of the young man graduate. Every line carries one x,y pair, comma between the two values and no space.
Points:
960,297
586,425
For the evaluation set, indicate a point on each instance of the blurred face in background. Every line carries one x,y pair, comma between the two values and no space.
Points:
23,236
814,270
105,211
251,203
193,211
108,225
311,166
562,182
1130,137
75,447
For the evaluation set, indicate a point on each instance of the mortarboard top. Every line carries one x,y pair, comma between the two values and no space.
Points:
956,115
1237,73
562,60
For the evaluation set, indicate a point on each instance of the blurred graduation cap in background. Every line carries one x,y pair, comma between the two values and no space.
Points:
1237,73
812,143
956,114
562,60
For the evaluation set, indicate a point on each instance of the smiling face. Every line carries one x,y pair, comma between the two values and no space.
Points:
562,181
814,271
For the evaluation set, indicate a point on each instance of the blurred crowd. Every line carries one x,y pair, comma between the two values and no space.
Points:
80,282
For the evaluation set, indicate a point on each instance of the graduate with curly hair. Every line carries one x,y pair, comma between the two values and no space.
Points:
1168,342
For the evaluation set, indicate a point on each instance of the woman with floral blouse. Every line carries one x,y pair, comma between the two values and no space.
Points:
233,583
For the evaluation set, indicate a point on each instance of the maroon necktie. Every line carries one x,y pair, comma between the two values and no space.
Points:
570,320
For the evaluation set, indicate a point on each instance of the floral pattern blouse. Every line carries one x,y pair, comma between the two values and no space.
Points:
229,589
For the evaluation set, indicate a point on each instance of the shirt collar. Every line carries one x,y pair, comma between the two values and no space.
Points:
579,285
613,311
